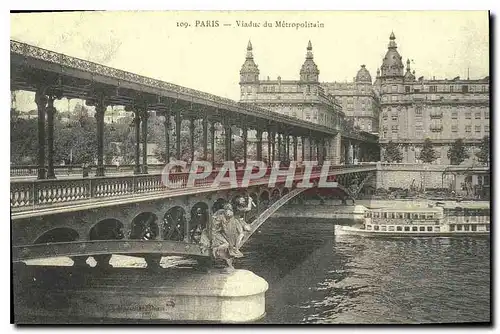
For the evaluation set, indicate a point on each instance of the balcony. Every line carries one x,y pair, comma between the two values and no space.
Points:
436,127
436,114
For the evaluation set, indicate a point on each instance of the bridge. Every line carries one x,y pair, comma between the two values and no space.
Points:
61,213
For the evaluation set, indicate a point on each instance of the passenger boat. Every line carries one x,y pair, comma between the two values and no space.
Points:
437,220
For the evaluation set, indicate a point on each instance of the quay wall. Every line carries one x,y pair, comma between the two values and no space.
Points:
421,176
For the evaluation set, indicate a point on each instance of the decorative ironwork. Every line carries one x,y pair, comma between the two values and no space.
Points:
27,50
25,195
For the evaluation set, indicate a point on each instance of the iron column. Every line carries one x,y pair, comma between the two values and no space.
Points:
41,102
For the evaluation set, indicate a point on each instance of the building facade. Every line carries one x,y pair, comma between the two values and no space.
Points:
305,98
442,110
358,99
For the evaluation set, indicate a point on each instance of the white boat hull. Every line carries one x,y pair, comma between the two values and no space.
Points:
349,230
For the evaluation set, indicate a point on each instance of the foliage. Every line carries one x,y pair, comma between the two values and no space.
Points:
23,140
457,152
483,155
428,153
393,152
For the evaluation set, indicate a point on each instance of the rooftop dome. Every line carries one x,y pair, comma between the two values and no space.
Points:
392,64
363,75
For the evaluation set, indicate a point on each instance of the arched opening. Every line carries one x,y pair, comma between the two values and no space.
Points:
199,220
254,211
264,199
218,205
107,229
275,195
145,226
174,224
61,234
285,191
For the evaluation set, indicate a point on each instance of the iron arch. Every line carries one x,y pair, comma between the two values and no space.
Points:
107,229
145,226
174,224
199,220
59,234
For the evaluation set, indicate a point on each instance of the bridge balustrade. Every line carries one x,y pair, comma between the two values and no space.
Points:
48,192
31,170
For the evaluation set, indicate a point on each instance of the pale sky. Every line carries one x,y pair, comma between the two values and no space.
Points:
441,44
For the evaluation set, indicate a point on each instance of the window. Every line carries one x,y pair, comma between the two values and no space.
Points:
419,127
414,228
394,88
433,89
452,228
459,227
422,228
429,228
368,227
376,228
486,128
451,89
487,115
394,129
407,215
466,227
418,111
488,228
477,128
465,89
394,117
265,89
454,115
468,115
391,228
477,115
474,228
454,128
399,228
407,89
384,116
468,128
407,228
383,228
436,228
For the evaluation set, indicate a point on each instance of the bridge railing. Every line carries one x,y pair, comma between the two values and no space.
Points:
32,170
35,193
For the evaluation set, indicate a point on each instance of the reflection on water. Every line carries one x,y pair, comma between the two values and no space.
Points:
315,277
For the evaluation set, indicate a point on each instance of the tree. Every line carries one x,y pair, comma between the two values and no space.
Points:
428,153
23,140
393,153
483,155
457,152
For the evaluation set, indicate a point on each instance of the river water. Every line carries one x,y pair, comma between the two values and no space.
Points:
316,277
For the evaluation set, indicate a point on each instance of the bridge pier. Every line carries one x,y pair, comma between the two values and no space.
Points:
179,295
